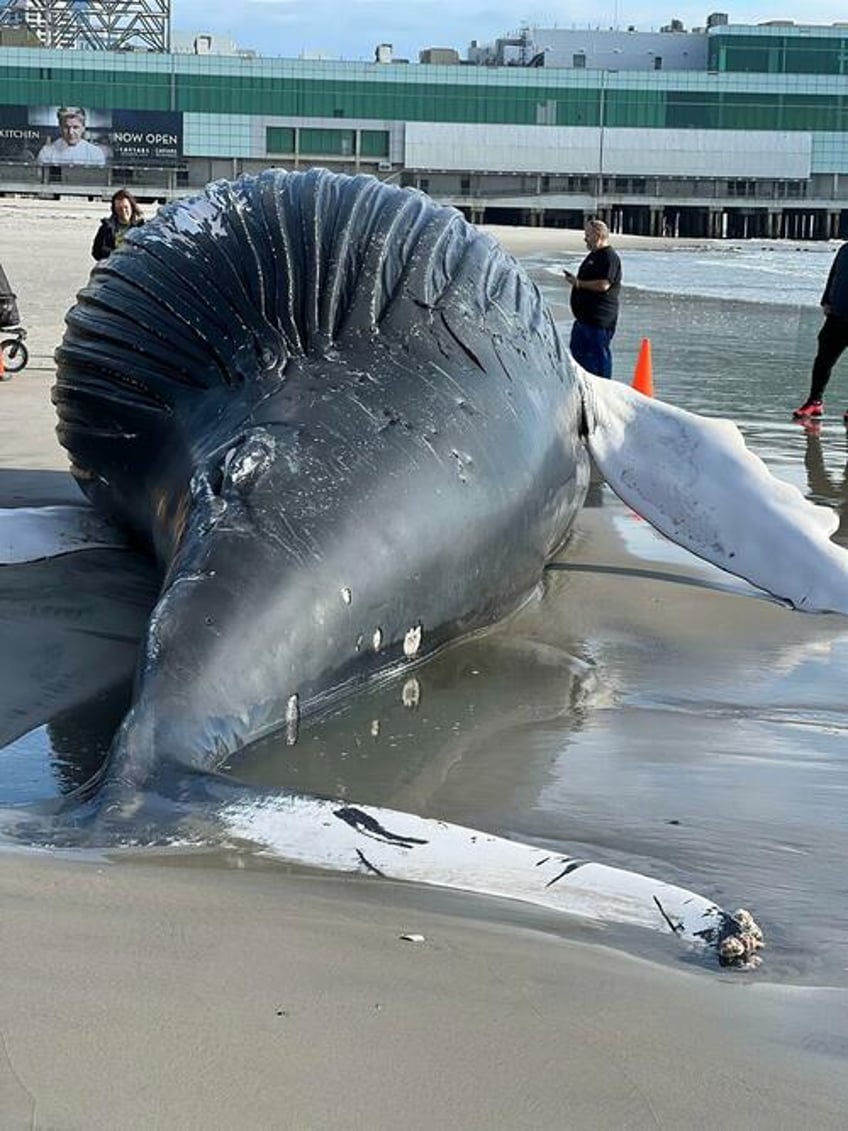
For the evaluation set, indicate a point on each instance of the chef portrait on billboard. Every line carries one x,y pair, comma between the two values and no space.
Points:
71,147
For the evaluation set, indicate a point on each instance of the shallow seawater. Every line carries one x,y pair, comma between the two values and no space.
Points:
646,710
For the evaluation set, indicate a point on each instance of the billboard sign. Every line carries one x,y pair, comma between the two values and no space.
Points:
82,135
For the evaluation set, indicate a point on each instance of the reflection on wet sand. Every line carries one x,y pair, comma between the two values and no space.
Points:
449,730
80,738
824,488
70,628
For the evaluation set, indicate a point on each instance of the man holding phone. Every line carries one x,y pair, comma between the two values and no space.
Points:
594,301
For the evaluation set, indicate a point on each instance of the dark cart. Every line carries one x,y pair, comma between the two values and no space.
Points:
13,352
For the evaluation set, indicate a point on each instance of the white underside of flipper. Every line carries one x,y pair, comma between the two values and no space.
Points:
694,480
31,534
401,846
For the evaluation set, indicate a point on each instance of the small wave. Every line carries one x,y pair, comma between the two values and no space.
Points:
767,276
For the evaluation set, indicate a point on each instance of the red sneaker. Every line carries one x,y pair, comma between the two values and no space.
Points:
808,410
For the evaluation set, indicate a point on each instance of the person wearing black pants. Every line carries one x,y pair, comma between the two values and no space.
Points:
833,337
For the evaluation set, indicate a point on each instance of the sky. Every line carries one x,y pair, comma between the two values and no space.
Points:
351,29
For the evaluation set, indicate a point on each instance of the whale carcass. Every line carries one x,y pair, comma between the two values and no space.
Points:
344,422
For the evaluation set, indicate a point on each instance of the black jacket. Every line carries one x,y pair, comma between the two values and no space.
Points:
836,289
106,239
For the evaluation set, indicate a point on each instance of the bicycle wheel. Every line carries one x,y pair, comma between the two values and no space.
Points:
15,355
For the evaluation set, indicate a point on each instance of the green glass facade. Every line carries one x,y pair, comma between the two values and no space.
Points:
328,143
770,52
285,141
279,140
569,98
374,143
80,86
565,104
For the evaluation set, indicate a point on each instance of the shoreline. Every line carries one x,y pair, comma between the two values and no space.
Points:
518,239
533,241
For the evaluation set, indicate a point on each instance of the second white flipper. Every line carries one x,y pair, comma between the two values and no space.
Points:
694,480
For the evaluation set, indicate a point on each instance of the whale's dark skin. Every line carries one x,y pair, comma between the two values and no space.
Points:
345,425
343,421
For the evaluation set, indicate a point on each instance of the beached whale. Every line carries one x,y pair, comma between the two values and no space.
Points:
344,422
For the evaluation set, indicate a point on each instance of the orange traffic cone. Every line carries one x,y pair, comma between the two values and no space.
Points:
642,376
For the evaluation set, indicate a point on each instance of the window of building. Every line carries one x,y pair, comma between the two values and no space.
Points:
327,143
578,61
374,143
658,62
690,110
279,139
630,185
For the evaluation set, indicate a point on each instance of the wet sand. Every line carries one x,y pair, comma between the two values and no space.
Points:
194,991
179,997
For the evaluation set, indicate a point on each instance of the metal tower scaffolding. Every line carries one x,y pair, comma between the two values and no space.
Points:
96,25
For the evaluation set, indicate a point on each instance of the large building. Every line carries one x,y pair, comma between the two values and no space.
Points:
724,131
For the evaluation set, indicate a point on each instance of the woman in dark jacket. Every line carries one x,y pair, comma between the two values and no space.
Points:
125,214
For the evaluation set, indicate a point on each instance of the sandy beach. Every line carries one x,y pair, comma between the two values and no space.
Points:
205,990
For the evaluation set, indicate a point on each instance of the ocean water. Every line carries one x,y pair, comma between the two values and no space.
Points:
646,711
733,333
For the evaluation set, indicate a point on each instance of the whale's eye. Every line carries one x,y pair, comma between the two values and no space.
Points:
267,358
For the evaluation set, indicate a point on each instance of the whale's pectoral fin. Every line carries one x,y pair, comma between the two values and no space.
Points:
31,534
401,846
694,480
191,807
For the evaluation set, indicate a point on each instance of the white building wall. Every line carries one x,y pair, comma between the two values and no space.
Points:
615,152
707,153
621,50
